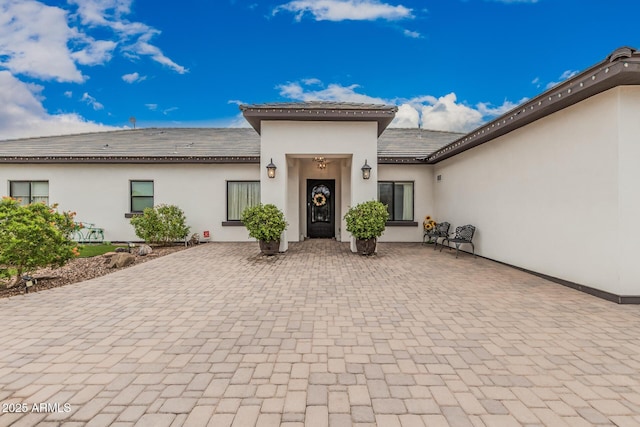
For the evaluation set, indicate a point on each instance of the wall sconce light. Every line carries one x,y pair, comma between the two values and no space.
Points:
366,171
271,169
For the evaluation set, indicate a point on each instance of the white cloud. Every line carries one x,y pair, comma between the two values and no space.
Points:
34,41
564,76
568,74
133,78
406,117
96,12
333,92
51,43
143,47
412,34
133,37
156,107
22,114
444,113
486,109
536,82
312,81
95,52
90,100
341,10
236,122
48,43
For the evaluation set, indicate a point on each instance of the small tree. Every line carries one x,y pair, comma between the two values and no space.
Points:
162,224
264,222
367,220
34,236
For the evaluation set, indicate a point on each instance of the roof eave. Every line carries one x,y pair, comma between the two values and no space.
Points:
127,159
255,115
610,73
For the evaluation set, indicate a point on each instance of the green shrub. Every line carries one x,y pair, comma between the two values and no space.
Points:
264,222
367,220
33,236
162,224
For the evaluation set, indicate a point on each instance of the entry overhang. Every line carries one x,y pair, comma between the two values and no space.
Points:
319,111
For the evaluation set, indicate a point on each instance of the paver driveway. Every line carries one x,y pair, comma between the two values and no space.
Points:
218,335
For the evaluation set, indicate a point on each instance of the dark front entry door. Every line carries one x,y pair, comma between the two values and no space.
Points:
321,208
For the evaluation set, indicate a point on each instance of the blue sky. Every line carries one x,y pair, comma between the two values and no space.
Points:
83,65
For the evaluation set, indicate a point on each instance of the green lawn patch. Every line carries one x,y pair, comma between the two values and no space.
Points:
87,251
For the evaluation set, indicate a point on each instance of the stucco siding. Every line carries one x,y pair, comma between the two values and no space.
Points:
423,202
100,193
286,141
544,197
629,194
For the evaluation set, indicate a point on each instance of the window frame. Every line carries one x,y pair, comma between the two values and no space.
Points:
132,197
400,222
30,182
235,222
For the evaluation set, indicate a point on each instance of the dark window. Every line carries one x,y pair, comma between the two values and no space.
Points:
141,195
30,191
241,195
398,196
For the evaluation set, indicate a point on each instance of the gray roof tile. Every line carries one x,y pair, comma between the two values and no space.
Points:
176,143
156,142
415,142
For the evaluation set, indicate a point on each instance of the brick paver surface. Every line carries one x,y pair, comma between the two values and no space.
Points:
221,336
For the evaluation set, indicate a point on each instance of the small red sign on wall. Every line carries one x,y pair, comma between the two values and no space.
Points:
206,233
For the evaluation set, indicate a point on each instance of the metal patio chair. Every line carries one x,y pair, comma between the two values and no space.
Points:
464,234
441,230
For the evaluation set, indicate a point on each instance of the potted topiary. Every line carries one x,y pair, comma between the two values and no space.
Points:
266,224
366,222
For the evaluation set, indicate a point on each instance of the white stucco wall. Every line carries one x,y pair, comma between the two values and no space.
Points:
345,198
99,193
422,177
629,190
546,197
284,140
293,207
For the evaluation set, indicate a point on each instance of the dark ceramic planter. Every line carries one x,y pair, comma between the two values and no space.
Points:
366,246
270,248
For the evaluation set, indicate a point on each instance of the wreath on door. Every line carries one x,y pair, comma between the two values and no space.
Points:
319,199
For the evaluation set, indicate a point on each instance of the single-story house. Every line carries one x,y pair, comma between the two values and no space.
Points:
553,186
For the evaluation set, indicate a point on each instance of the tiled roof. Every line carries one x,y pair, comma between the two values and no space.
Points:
171,144
417,143
190,145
